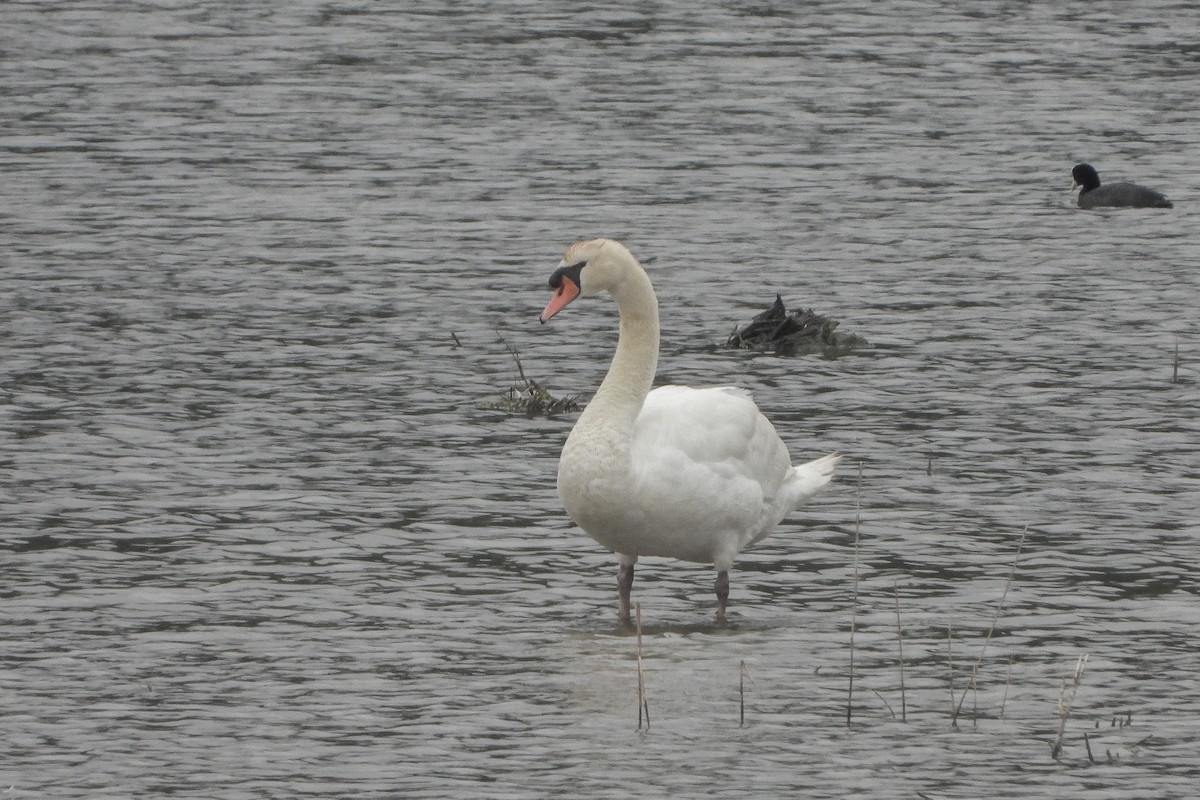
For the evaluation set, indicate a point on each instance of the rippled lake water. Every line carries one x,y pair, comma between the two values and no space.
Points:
261,536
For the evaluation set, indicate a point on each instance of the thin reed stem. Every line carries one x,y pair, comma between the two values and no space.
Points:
1007,683
995,618
1065,703
742,695
975,695
743,674
643,705
891,710
950,671
854,600
900,648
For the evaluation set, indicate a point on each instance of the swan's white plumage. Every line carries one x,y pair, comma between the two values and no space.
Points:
692,474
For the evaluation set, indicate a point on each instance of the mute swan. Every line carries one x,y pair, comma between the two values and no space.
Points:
693,474
1127,195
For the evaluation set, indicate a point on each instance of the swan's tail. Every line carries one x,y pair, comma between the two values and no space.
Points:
806,480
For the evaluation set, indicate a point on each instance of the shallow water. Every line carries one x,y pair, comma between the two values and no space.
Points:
261,538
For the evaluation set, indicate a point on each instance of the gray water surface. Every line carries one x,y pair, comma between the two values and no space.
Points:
260,537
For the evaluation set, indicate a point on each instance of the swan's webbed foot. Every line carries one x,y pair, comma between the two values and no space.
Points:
722,587
624,587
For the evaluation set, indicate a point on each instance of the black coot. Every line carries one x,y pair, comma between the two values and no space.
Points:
1125,195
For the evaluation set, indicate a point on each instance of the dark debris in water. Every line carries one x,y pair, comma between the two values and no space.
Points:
532,398
795,333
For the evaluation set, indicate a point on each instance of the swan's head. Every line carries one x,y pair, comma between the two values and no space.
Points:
1085,175
588,267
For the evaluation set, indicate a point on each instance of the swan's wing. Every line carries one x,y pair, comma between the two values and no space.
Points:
712,426
707,464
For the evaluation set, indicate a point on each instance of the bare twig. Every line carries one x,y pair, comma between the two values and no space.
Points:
516,357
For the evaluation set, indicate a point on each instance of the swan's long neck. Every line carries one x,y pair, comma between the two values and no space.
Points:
619,399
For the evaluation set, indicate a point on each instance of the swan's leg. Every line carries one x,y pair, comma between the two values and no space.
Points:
722,587
624,586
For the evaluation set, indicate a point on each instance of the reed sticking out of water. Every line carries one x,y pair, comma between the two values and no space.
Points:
742,694
900,647
974,685
1175,367
891,710
643,706
854,600
950,670
1118,721
991,628
1007,683
743,673
1064,704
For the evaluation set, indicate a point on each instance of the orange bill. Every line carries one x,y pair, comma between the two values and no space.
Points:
567,291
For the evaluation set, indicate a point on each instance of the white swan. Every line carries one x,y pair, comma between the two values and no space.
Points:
693,474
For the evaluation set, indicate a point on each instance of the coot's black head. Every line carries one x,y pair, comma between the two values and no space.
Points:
1085,175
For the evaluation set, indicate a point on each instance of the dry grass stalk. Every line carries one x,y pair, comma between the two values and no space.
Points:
950,671
900,647
643,705
974,686
1007,683
1065,703
743,674
992,628
854,601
